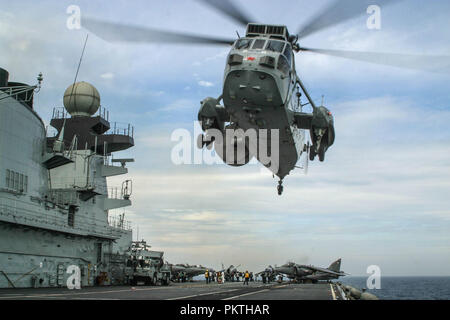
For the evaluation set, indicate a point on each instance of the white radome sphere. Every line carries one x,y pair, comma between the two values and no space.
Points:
83,100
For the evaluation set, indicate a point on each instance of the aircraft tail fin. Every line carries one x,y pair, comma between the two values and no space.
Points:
335,266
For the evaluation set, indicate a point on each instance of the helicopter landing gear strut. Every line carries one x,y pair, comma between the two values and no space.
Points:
203,140
280,187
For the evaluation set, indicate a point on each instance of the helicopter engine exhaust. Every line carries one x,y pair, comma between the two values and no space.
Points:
212,115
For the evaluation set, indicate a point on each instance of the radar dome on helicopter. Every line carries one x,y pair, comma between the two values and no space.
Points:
81,99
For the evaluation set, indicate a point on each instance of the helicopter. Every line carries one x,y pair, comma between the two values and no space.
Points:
261,88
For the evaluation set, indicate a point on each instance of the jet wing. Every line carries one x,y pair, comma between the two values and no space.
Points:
273,271
324,270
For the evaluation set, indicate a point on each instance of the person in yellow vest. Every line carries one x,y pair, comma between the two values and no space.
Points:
207,276
246,277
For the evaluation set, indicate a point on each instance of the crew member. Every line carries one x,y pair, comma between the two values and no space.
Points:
207,276
246,277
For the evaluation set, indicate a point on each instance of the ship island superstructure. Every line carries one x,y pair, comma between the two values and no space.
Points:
54,197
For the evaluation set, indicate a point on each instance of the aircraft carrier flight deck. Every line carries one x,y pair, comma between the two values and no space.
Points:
184,291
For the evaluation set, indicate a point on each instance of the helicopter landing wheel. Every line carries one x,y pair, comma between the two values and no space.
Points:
203,140
280,187
321,154
209,144
312,153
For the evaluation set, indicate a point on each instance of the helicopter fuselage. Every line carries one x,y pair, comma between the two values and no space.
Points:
259,92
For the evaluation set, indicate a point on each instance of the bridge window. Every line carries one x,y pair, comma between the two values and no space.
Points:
242,44
8,179
276,46
71,216
99,252
259,44
16,181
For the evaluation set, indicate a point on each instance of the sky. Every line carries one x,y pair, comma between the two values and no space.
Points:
380,198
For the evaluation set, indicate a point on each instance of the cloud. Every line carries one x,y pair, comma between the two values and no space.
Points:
368,191
107,76
178,105
381,196
207,84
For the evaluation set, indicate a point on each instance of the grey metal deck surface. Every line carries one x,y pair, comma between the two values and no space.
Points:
180,291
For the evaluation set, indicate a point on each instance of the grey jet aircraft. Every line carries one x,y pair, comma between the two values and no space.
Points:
310,273
186,272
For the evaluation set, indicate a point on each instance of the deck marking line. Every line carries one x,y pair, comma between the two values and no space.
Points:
246,294
332,291
201,294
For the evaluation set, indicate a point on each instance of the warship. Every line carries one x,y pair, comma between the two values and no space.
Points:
56,213
55,202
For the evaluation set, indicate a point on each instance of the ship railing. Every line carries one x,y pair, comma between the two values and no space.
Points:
61,113
15,91
68,148
114,193
119,222
103,113
118,128
109,160
63,197
123,192
35,214
82,183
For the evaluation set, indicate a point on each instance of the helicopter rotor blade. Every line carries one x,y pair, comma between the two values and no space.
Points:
430,63
116,32
338,11
229,9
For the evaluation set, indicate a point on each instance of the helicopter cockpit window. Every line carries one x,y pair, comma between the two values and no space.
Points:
283,64
276,46
242,44
288,53
259,44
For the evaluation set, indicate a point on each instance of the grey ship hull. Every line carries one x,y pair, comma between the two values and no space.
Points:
54,207
33,257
